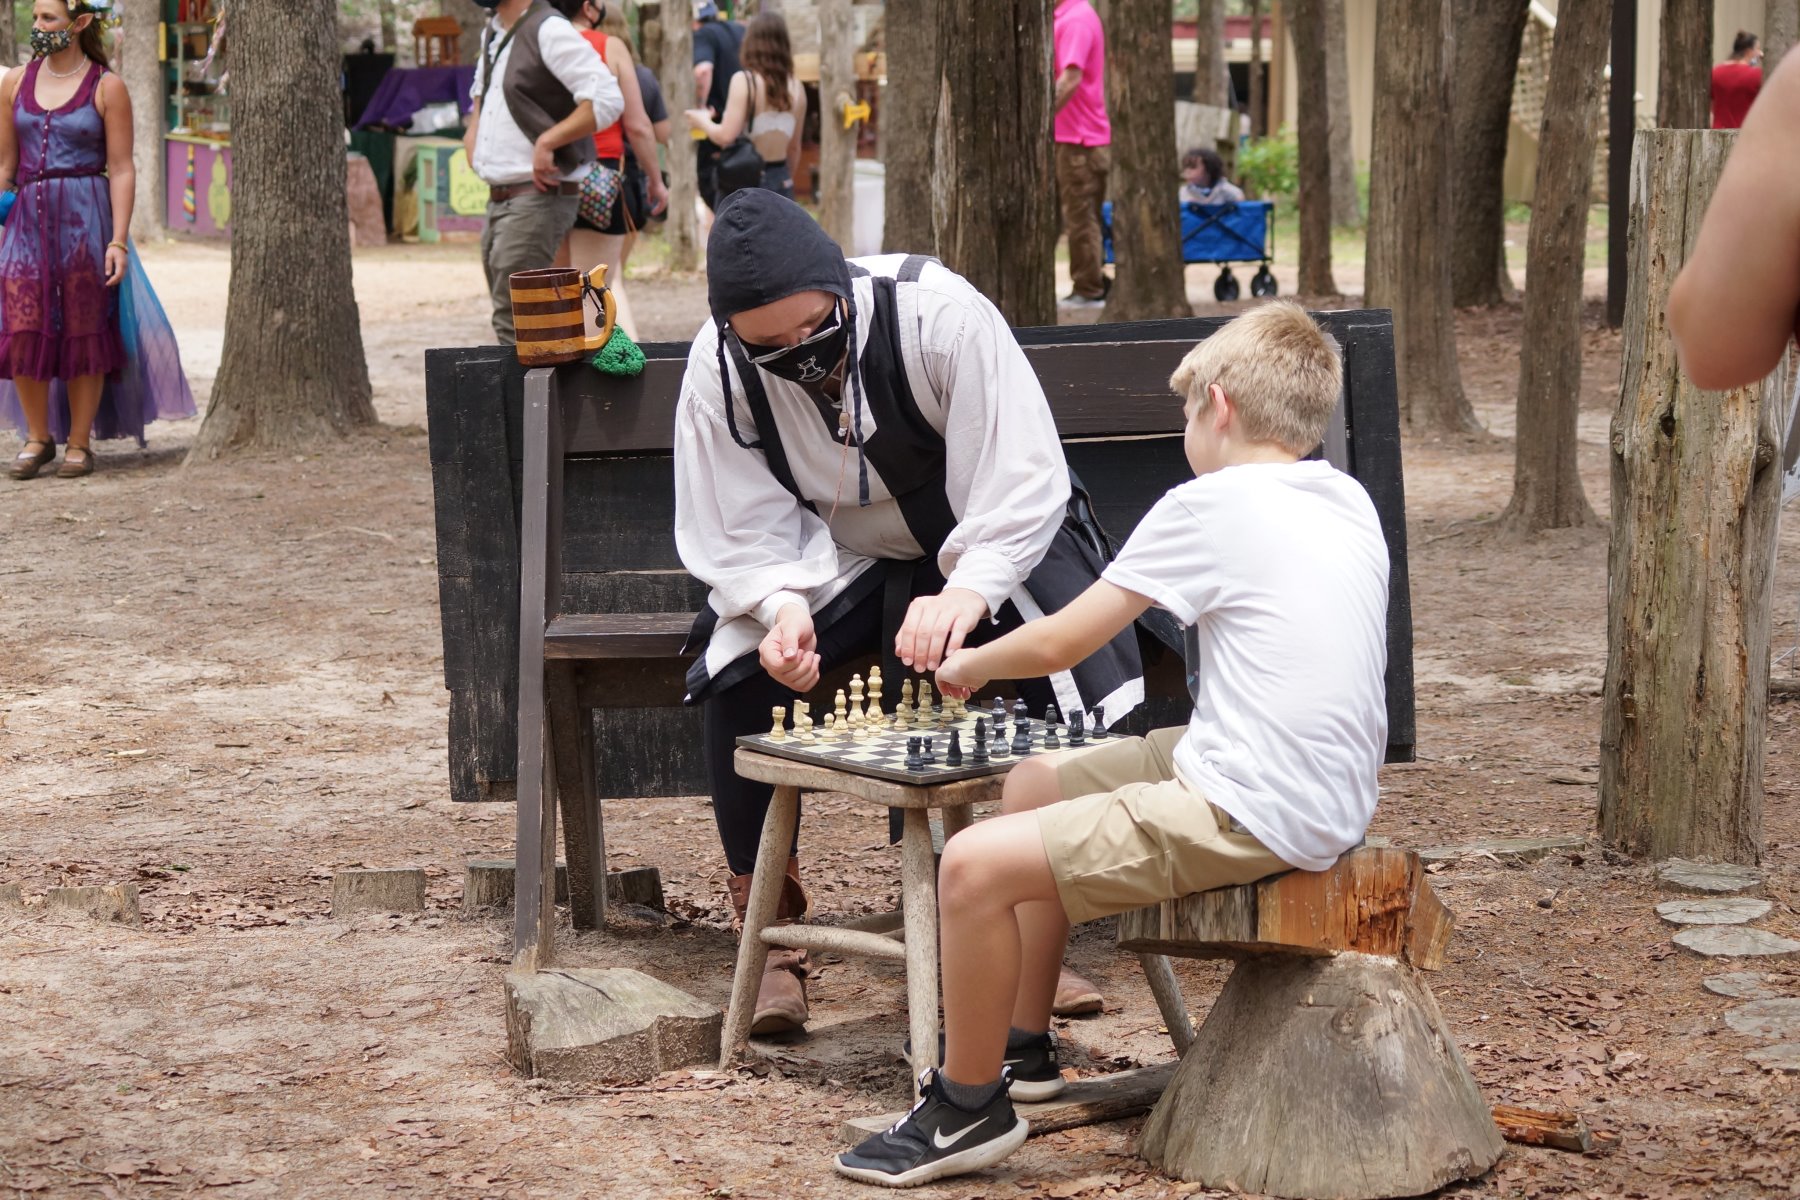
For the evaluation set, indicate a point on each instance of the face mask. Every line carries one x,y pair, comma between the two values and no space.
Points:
810,361
490,5
45,41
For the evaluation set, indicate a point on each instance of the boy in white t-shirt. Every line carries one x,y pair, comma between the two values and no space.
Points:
1279,570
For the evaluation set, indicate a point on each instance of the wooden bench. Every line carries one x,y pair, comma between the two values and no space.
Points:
1324,1068
554,493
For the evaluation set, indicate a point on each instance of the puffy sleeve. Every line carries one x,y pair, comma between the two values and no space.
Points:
1008,482
573,61
736,528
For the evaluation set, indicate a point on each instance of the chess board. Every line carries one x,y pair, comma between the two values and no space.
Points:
883,755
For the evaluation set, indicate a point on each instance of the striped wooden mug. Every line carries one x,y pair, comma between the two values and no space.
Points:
547,320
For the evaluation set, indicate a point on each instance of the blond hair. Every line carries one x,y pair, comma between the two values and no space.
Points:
1281,370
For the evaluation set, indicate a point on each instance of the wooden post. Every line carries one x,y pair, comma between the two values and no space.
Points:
677,79
1696,486
837,145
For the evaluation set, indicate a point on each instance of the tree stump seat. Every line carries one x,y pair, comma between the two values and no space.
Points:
1324,1068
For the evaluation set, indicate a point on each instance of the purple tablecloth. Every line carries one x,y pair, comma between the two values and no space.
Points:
404,91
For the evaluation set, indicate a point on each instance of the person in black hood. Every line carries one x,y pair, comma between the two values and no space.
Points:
865,465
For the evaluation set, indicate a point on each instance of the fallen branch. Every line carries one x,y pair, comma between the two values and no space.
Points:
1558,1129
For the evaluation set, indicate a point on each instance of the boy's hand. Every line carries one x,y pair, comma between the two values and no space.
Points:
789,651
958,677
936,626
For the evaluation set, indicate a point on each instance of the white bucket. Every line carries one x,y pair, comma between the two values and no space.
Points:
868,207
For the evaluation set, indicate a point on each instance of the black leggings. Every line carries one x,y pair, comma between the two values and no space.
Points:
739,805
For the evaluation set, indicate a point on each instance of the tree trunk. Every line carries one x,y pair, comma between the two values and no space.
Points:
837,145
473,19
1409,211
143,75
390,34
1696,490
908,125
1546,482
677,80
1346,205
1149,280
1684,68
292,370
1259,116
1781,29
1212,79
9,35
992,202
1310,33
1488,34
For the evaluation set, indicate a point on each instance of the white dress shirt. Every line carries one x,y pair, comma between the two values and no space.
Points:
502,151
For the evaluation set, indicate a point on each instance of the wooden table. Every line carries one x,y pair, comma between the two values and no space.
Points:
918,884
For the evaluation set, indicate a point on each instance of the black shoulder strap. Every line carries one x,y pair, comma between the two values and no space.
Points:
767,429
913,267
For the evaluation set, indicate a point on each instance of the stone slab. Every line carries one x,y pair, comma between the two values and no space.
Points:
1736,941
1707,879
379,889
1784,1056
1726,910
1742,985
117,904
1779,1018
1521,850
605,1025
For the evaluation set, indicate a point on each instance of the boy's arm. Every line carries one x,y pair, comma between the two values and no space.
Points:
1052,643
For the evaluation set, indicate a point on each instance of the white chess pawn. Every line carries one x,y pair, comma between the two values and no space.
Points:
841,723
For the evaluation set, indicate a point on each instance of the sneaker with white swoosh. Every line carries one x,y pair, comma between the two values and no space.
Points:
1034,1070
936,1139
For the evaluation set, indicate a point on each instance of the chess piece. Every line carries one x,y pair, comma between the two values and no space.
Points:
999,712
1021,742
803,723
1077,734
927,755
979,755
829,729
927,704
842,724
914,760
904,710
1051,742
1021,712
857,707
953,752
874,714
1099,722
779,732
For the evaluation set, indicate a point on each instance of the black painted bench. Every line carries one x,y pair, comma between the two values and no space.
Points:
555,508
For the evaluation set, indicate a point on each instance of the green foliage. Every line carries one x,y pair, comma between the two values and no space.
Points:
1269,168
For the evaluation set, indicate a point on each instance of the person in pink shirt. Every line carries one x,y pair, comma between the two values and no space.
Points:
1083,141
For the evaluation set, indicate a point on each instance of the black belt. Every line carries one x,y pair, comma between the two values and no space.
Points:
499,195
61,173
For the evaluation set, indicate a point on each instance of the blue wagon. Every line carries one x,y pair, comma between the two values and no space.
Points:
1222,233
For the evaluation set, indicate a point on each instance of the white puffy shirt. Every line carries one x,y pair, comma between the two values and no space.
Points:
502,151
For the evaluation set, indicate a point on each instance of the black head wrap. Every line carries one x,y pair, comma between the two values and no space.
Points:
765,248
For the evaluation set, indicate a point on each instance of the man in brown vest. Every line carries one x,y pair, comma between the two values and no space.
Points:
540,92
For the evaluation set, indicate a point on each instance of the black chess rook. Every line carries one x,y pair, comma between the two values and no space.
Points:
1099,722
914,760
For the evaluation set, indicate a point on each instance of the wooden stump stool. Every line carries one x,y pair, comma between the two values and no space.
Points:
1324,1068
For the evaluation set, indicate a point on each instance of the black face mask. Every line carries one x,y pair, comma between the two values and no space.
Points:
810,362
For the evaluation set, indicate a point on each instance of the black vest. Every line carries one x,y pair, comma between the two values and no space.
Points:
533,94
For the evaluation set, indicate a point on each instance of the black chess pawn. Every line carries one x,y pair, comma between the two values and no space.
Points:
1021,742
1051,742
953,752
1077,732
1099,722
928,756
979,755
914,761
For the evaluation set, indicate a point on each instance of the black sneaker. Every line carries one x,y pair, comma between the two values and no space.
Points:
1033,1069
936,1139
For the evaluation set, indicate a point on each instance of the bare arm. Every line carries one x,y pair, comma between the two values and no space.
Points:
114,104
1066,83
1052,643
703,73
726,129
1733,308
636,121
9,135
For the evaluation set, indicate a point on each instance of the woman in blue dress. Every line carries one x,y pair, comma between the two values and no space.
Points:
83,341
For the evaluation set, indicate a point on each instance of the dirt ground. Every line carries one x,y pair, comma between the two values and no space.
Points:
224,682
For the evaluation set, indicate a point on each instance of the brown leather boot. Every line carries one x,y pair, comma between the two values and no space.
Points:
1075,995
781,995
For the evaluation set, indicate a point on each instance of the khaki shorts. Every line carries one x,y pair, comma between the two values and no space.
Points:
1131,833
